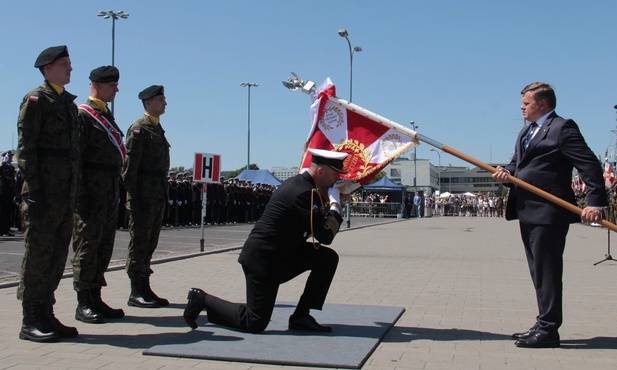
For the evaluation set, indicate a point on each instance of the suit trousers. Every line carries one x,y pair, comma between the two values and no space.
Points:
544,247
254,316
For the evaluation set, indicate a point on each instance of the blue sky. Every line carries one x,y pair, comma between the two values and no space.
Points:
454,67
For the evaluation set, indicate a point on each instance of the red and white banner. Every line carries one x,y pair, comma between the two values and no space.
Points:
207,167
578,185
370,145
609,176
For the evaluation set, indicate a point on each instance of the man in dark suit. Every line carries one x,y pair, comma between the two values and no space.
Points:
546,151
277,251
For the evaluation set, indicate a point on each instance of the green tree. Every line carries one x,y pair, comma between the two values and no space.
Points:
235,173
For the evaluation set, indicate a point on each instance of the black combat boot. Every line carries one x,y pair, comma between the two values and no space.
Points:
162,301
33,328
139,295
102,307
85,311
50,319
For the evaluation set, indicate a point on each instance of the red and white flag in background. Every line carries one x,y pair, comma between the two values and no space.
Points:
578,185
609,176
370,145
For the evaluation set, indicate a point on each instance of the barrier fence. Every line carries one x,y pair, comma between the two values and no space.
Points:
376,209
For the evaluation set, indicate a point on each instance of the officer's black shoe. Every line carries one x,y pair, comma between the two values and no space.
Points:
54,324
101,307
33,328
196,303
307,323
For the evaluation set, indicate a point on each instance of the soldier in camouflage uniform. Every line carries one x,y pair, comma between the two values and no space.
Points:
48,157
96,214
145,179
7,193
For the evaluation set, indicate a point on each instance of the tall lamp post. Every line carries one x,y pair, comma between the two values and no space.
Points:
248,148
450,176
413,125
438,172
114,16
343,33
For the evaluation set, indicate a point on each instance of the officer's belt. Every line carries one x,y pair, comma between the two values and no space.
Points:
101,167
157,173
59,153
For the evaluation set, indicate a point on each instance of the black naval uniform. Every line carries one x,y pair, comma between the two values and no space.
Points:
277,250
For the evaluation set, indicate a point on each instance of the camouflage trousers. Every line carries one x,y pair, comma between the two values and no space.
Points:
47,235
93,241
144,227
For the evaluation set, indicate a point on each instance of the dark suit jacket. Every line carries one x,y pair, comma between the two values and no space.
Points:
547,164
276,241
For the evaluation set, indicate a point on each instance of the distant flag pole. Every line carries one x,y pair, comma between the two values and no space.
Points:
308,87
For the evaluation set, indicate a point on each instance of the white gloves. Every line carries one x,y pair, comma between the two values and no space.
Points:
334,194
346,186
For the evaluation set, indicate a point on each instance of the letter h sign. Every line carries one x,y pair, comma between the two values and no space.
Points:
207,167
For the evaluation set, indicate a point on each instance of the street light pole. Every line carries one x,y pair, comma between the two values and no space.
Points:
248,148
450,176
413,124
114,16
343,33
439,172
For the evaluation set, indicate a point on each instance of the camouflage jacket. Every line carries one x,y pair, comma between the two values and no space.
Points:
147,161
48,142
101,159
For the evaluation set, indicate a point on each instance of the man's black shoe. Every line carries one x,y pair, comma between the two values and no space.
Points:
526,334
538,340
307,323
196,303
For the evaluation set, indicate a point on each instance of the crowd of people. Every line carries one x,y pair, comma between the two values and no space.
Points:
469,206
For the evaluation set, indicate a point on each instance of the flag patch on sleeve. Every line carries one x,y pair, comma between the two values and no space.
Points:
136,131
33,98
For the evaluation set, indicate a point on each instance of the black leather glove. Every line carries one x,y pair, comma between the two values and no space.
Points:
36,201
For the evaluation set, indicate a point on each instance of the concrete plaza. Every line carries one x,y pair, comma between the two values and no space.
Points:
463,281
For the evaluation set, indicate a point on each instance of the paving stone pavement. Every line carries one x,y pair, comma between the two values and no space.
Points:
463,282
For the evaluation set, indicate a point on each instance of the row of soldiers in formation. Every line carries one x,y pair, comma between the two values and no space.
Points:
230,201
73,160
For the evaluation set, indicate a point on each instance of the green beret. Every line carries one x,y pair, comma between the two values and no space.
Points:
151,92
50,55
105,74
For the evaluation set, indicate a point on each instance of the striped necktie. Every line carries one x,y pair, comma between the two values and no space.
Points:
527,138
